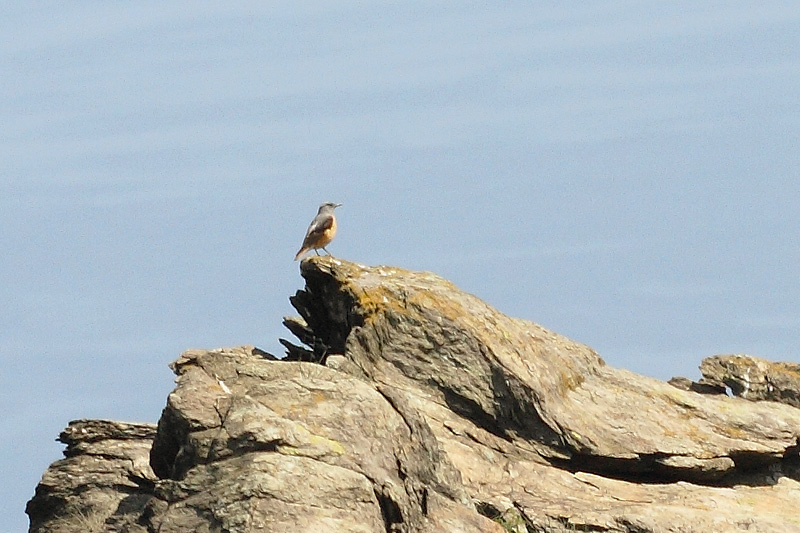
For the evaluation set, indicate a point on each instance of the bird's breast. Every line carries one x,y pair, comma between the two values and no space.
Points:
330,232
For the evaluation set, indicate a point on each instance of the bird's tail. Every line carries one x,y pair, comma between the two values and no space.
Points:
301,252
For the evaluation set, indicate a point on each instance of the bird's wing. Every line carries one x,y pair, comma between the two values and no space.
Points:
319,224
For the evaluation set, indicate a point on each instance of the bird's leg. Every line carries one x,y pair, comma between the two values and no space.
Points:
326,250
316,251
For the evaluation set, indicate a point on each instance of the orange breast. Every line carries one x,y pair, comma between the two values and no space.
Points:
328,234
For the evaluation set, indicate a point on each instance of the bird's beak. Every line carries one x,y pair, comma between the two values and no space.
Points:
338,205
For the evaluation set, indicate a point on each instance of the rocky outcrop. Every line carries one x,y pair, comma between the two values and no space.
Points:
748,377
279,446
413,406
103,483
753,378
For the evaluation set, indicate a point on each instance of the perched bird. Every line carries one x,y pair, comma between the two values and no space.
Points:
321,231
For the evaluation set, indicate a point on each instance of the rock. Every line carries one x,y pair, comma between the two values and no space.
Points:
701,386
538,423
300,447
752,378
103,482
418,408
518,381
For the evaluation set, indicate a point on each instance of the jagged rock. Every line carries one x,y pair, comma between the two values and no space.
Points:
695,386
537,422
753,378
431,411
521,382
263,445
103,482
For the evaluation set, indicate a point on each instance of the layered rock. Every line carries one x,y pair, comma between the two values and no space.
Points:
414,406
514,404
103,482
753,378
249,444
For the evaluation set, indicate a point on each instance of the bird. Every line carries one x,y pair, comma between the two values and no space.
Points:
321,231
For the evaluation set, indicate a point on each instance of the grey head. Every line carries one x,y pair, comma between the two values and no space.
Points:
327,207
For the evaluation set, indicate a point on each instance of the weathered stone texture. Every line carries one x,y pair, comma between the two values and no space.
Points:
416,407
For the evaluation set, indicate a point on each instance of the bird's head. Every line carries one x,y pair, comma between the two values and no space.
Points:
328,206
